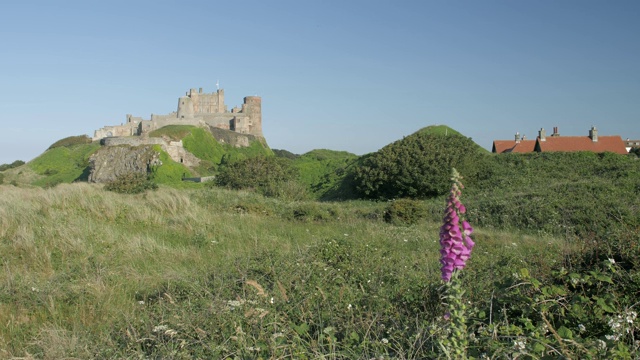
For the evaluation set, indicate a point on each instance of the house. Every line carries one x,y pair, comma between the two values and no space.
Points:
519,145
630,144
555,142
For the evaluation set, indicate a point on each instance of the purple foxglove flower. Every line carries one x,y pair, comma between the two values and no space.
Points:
455,243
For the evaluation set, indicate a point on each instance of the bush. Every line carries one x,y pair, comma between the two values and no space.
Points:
268,175
405,211
417,166
14,164
131,183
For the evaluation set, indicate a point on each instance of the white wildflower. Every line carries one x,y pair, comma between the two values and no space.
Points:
141,302
519,344
385,341
612,260
582,328
160,328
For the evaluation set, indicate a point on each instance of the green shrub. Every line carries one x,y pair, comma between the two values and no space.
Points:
1,179
71,141
417,166
14,164
405,212
284,154
131,183
267,174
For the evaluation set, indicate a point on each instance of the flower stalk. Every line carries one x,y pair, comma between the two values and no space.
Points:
455,249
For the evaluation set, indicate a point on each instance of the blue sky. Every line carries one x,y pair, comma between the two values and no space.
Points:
340,75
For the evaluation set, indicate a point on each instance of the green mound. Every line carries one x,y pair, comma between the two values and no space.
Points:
63,164
323,171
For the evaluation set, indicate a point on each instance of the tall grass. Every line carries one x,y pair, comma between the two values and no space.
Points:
211,273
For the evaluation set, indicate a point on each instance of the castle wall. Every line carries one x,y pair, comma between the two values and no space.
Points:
198,109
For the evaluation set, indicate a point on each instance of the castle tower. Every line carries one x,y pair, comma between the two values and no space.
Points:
253,108
185,107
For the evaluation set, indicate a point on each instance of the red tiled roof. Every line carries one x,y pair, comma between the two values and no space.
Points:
505,146
582,143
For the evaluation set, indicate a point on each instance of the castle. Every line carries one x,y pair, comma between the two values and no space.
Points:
198,109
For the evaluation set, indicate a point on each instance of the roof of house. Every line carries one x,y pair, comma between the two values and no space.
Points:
521,146
582,143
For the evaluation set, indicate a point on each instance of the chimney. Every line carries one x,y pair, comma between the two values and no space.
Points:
542,134
593,134
517,137
555,131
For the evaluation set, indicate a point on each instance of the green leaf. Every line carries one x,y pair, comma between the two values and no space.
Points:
301,329
565,333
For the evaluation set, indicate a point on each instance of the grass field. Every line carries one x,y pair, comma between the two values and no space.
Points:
211,273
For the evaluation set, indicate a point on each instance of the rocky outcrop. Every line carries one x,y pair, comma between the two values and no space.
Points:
111,161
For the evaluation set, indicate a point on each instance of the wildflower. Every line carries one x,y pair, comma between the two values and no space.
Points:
582,328
455,243
612,261
385,341
519,345
160,328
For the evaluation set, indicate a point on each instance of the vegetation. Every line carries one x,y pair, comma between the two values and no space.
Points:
417,166
63,164
269,175
284,154
215,273
71,141
212,153
170,172
13,165
173,132
324,173
131,183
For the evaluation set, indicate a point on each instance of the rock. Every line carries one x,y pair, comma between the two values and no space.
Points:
111,161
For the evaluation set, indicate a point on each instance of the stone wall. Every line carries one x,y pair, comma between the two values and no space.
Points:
110,162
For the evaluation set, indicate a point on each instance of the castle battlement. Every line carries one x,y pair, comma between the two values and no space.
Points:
198,109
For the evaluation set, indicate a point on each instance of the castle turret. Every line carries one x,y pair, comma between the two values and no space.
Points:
185,108
253,108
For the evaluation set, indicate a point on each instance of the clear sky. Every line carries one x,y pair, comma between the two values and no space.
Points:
334,74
